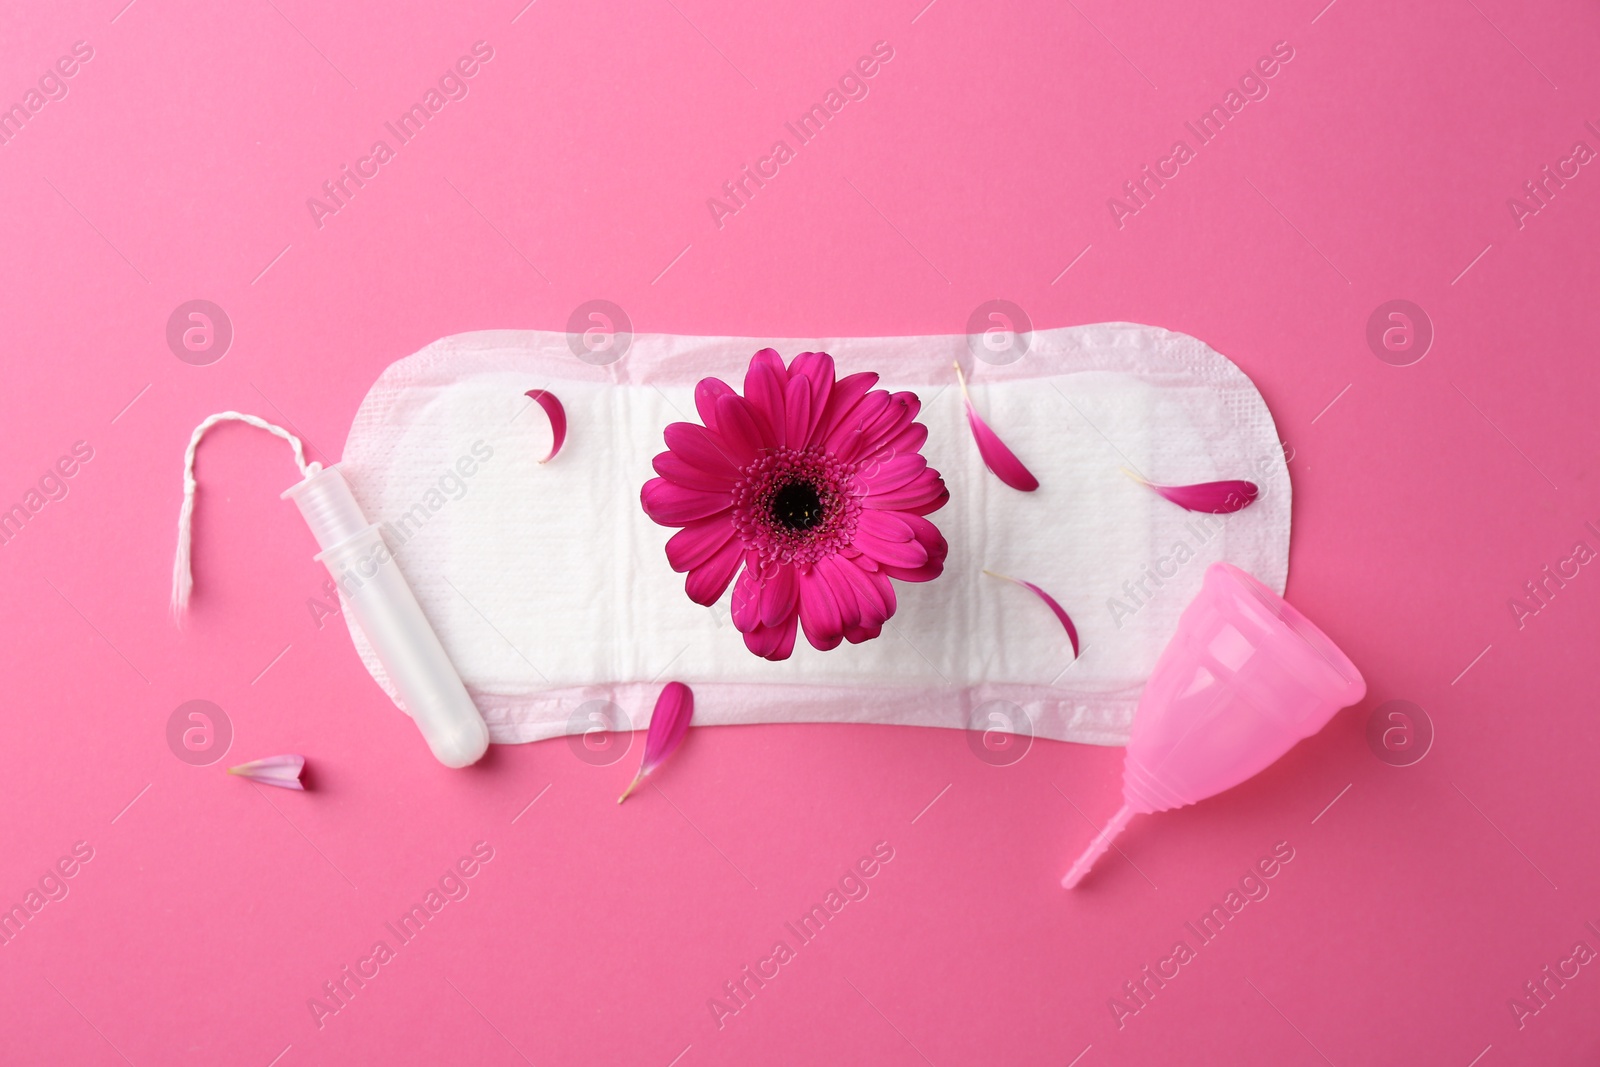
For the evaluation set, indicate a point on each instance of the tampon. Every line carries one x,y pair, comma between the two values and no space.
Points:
381,602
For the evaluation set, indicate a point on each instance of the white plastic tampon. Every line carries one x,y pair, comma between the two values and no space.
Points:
382,604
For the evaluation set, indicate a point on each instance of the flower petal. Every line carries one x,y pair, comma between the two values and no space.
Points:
1050,602
817,368
908,553
847,393
1214,498
798,421
774,642
745,607
706,393
707,582
996,456
848,435
669,724
281,771
673,505
780,596
743,434
848,579
764,385
926,493
895,417
698,542
702,448
558,419
910,439
819,613
883,525
674,468
890,471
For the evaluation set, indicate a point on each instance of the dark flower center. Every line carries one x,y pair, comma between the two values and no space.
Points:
797,506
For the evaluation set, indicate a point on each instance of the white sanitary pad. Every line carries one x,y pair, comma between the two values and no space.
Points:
550,588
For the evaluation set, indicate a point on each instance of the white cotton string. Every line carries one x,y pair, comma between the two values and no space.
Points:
182,579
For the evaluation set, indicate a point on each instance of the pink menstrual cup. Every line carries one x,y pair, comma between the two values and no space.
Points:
1243,679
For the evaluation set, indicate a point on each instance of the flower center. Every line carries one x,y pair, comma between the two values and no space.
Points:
797,506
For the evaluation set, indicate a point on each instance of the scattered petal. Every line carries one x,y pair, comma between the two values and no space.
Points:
1050,602
668,725
558,419
1216,498
281,771
996,456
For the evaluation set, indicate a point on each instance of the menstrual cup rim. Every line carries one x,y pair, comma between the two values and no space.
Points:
1348,685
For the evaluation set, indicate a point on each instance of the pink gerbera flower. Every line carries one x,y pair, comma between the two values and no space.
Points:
815,488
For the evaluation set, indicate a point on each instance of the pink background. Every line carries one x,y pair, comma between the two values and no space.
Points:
178,167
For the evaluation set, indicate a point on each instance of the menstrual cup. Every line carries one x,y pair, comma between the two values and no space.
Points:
1243,679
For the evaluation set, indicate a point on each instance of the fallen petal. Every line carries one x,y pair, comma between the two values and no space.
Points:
281,771
1215,498
1050,602
558,419
996,456
669,723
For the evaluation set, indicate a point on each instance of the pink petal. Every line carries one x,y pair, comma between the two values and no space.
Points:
743,434
701,448
1050,602
996,456
885,526
697,542
707,582
846,394
558,419
1216,498
674,468
774,642
705,399
764,385
910,439
817,368
933,542
874,610
846,440
819,613
917,496
890,471
895,417
780,596
797,410
281,771
746,605
669,724
673,505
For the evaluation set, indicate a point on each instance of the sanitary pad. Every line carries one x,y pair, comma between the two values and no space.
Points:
550,588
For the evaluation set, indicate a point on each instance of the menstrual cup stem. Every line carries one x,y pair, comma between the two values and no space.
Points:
1097,847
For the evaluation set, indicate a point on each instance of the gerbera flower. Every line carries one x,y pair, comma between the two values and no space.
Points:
811,492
